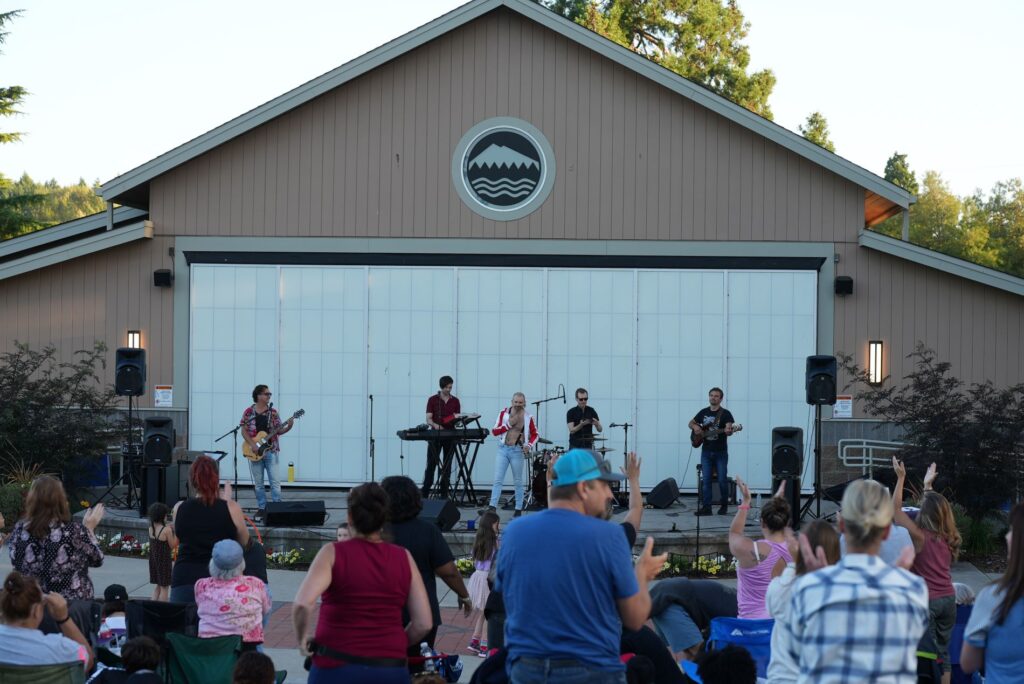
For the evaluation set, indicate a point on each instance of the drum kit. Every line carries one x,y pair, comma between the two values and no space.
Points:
541,461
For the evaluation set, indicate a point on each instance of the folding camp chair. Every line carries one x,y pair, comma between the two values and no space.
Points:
210,661
753,635
65,673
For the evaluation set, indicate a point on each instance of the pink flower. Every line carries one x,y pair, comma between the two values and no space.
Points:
224,609
245,599
241,588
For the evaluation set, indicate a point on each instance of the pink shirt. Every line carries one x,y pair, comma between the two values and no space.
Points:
234,606
932,564
752,583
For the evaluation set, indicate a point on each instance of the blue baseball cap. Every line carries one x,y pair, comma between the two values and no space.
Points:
581,465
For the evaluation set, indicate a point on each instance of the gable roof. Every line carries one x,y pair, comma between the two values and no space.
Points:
132,188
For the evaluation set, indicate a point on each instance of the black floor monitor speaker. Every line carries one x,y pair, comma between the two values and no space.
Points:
664,494
295,514
441,512
792,496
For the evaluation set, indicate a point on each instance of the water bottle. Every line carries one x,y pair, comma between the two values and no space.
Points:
428,655
291,471
759,500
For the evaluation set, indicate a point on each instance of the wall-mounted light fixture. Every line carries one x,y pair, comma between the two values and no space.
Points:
875,350
134,339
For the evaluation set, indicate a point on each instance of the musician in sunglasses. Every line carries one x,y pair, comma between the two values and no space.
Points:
263,417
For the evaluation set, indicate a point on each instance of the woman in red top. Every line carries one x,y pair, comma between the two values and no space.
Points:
364,583
936,545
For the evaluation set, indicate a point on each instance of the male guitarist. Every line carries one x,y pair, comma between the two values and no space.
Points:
263,417
714,424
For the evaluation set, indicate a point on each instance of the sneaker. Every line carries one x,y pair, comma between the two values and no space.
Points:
483,651
723,510
706,510
259,516
518,513
474,646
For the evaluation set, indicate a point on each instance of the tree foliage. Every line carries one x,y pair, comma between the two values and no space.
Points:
701,40
45,204
974,433
815,129
897,172
55,414
14,219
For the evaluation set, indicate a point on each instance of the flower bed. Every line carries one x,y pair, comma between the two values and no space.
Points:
713,565
129,546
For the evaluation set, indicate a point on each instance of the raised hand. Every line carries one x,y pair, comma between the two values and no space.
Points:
93,517
906,558
929,476
813,560
632,469
744,490
901,470
57,604
648,565
551,468
781,491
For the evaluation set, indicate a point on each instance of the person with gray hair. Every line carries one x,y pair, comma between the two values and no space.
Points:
229,602
518,432
861,619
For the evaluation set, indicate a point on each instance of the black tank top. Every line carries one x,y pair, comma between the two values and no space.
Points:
199,527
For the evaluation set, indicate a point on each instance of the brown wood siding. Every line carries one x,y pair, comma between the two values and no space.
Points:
976,328
96,297
634,160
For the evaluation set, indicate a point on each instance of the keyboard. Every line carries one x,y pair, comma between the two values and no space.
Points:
467,434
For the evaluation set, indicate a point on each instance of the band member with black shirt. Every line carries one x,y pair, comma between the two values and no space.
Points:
442,410
263,417
582,420
715,424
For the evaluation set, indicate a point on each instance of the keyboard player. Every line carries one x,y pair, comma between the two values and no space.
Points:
443,409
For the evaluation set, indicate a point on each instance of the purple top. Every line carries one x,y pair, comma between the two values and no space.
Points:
483,566
752,583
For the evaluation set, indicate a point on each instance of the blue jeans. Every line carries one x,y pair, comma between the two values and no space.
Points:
560,671
269,466
676,628
508,456
359,674
720,460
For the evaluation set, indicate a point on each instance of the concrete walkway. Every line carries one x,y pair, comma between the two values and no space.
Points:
280,641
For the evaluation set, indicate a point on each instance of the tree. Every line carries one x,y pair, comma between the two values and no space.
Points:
13,220
815,129
973,433
700,40
49,203
1003,213
898,172
55,414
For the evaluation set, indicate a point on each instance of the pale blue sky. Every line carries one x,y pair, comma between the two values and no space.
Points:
117,82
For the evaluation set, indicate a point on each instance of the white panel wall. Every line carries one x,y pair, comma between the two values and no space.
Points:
647,344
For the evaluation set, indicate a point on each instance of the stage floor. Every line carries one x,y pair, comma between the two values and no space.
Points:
675,529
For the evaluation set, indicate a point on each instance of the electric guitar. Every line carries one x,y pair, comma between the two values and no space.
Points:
264,440
710,433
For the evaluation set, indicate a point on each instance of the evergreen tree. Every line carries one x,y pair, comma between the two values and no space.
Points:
13,217
815,129
898,172
701,40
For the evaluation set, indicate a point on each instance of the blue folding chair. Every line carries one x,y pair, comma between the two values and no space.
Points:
753,635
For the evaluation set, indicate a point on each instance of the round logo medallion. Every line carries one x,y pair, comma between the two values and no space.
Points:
503,168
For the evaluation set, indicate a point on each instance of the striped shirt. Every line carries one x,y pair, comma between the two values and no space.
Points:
857,621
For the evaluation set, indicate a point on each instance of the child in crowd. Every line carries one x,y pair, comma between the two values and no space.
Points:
141,657
485,549
937,544
343,534
162,541
253,668
113,630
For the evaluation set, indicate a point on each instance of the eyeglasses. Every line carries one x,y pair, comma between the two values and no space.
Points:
266,394
582,398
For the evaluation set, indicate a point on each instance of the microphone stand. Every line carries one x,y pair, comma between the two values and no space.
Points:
625,456
536,404
232,431
373,446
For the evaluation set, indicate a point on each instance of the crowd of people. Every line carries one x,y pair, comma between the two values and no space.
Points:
555,596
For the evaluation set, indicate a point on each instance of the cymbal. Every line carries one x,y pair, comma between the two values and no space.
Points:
603,450
541,440
593,438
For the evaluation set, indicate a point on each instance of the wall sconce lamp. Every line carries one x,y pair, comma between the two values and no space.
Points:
134,339
875,349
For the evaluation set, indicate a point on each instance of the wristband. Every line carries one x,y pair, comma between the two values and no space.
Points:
744,507
66,618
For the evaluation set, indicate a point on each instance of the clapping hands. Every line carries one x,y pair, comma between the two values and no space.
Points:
93,517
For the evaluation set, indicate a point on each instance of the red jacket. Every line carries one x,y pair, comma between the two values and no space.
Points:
530,425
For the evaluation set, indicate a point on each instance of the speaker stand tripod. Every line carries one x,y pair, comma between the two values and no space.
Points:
819,493
130,452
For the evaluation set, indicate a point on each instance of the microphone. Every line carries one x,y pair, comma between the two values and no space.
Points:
271,405
614,425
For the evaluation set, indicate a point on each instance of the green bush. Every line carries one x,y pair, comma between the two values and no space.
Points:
12,502
980,534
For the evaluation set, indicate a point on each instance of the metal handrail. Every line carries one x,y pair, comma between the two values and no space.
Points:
867,453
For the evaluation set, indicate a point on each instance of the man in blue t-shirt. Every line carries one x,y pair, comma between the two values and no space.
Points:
569,583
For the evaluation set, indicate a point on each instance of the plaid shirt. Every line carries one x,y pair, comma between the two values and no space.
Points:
858,621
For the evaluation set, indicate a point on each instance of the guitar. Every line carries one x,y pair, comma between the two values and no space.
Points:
713,431
264,440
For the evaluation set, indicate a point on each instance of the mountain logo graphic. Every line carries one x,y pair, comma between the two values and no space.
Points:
503,168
